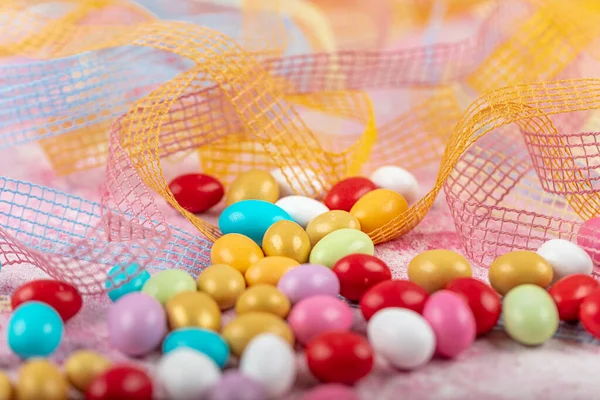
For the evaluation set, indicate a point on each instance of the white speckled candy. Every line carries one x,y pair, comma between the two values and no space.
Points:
301,178
566,258
397,179
302,209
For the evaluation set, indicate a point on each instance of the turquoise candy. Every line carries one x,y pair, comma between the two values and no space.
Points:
139,278
251,218
34,330
202,340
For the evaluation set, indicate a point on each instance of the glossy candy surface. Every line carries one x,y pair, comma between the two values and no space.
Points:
62,297
358,273
117,274
518,268
223,283
397,179
344,194
315,315
569,292
120,382
298,178
193,309
484,302
235,250
287,239
265,298
566,258
339,244
241,330
397,293
6,387
322,225
309,280
234,385
41,380
253,185
83,366
331,391
167,283
589,313
434,269
269,270
588,237
196,193
187,374
204,341
302,209
377,208
34,330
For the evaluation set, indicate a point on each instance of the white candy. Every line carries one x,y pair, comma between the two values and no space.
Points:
187,374
397,179
270,360
299,177
566,258
302,209
402,337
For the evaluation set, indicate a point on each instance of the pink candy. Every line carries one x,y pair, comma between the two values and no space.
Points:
318,314
331,391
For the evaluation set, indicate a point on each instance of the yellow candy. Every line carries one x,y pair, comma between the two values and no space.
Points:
253,185
518,268
265,298
377,208
236,250
83,366
269,270
239,332
434,269
193,309
287,239
6,389
41,380
322,225
223,283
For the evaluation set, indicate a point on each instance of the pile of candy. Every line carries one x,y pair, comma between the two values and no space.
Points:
291,268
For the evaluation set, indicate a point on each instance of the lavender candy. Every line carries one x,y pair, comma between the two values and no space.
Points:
236,386
309,280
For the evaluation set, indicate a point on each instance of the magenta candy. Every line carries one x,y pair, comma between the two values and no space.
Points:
309,280
318,314
136,324
236,386
588,237
330,392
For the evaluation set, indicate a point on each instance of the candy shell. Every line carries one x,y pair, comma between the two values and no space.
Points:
315,315
344,194
196,193
322,225
397,179
309,280
482,299
434,269
569,292
34,330
137,279
518,268
530,315
41,380
269,270
402,337
136,324
166,284
331,391
566,258
287,239
236,386
277,372
400,293
452,321
193,309
589,313
588,237
236,250
299,179
339,244
83,366
62,297
265,298
358,273
223,283
120,382
241,330
253,185
187,374
377,208
302,209
206,342
251,218
6,387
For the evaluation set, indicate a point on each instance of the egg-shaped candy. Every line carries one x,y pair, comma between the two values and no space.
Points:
397,293
253,185
309,280
518,268
277,372
134,276
223,283
331,391
588,237
482,299
569,292
243,328
589,313
269,270
530,315
120,382
344,194
83,366
40,380
402,337
61,296
302,209
397,179
315,315
359,272
322,225
34,330
377,208
434,269
287,239
339,244
265,298
234,385
251,218
6,387
236,250
293,180
205,341
187,374
452,321
193,309
166,284
196,193
566,258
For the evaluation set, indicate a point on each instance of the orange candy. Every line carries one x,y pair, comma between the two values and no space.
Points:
377,208
236,250
269,270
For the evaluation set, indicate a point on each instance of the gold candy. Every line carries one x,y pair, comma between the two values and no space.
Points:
269,270
41,380
193,309
6,389
518,268
83,366
253,185
287,239
265,298
239,332
434,269
223,283
322,225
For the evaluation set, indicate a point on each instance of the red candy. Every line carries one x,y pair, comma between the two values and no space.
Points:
120,382
357,273
196,192
401,293
339,357
589,313
61,296
345,193
484,302
569,292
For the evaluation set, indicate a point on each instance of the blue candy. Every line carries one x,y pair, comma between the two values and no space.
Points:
207,342
34,330
134,285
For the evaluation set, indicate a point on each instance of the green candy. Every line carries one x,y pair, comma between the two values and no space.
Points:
339,244
530,315
168,283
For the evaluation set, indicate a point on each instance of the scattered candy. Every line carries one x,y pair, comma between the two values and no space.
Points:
187,374
271,361
236,250
34,330
251,218
322,225
269,270
588,237
234,385
193,309
196,193
344,194
166,284
137,279
358,273
589,313
241,330
339,357
378,207
253,185
517,268
308,280
530,315
397,179
223,283
136,324
400,293
62,297
265,298
331,391
302,209
204,341
482,299
315,315
339,244
41,380
566,258
452,321
402,337
83,366
569,292
299,178
287,239
120,382
6,388
434,269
